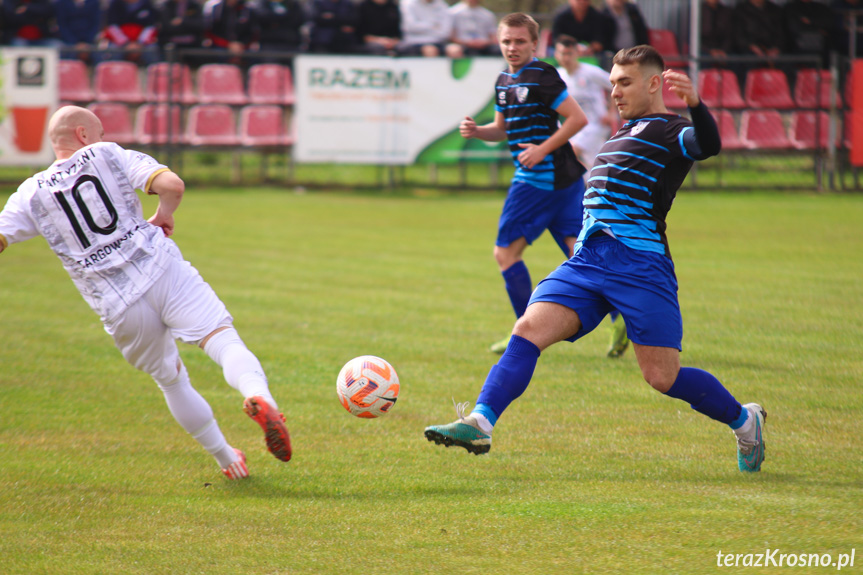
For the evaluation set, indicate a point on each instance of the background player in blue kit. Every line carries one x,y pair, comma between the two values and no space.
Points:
622,261
547,188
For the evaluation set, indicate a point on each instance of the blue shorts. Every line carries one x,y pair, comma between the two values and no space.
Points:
528,211
605,275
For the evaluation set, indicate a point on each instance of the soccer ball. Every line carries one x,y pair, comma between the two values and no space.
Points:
368,386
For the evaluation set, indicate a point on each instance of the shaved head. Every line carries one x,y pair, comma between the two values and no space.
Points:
71,128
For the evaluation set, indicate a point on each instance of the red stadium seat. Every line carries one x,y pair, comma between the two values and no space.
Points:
806,135
720,89
271,84
763,130
211,125
263,125
116,120
665,42
118,81
672,101
74,81
812,89
172,83
221,84
153,127
768,88
728,130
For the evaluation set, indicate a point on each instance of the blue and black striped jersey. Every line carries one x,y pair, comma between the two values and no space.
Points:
528,100
634,181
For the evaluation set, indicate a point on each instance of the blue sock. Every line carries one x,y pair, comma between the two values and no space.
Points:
508,379
518,286
706,395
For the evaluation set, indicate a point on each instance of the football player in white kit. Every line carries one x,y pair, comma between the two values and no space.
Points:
135,278
590,87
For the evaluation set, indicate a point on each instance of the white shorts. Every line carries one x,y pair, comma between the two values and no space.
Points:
589,140
179,306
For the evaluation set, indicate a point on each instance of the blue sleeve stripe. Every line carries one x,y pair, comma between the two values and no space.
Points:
559,100
683,144
655,163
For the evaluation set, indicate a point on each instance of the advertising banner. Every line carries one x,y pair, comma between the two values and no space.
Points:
392,111
28,97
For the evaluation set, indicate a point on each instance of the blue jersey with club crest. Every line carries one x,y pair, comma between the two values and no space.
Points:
636,176
528,101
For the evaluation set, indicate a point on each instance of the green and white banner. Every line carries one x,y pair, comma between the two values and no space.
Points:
28,96
396,111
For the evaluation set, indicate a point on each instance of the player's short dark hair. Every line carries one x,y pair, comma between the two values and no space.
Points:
521,20
643,55
565,40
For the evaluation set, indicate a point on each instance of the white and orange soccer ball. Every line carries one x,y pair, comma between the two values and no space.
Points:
368,386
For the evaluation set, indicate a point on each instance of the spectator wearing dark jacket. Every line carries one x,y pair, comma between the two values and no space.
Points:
79,23
582,21
717,29
334,27
625,26
182,25
281,25
760,29
232,26
30,23
131,31
380,26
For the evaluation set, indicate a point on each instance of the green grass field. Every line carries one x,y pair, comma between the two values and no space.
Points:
591,471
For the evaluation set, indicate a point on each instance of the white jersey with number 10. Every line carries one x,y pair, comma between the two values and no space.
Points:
87,209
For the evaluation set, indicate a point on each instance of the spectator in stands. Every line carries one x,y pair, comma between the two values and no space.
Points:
131,31
808,26
281,25
181,26
79,23
30,23
426,29
334,27
380,27
625,25
717,29
842,11
474,28
231,27
581,20
760,29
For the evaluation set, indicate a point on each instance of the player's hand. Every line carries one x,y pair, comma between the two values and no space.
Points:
530,155
682,86
166,223
467,128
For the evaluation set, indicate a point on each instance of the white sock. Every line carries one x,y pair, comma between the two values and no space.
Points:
241,368
195,415
748,428
483,422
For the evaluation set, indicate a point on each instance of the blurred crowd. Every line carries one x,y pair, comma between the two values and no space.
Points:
142,30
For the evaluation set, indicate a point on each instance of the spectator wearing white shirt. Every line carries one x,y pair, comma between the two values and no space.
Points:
426,29
474,29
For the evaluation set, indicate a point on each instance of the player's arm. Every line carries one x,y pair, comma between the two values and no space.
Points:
704,140
492,132
574,120
170,188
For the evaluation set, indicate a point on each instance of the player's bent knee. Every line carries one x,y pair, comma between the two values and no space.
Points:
658,379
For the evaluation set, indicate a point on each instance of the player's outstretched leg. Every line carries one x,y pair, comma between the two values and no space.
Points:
707,395
505,382
237,469
619,340
750,439
244,373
